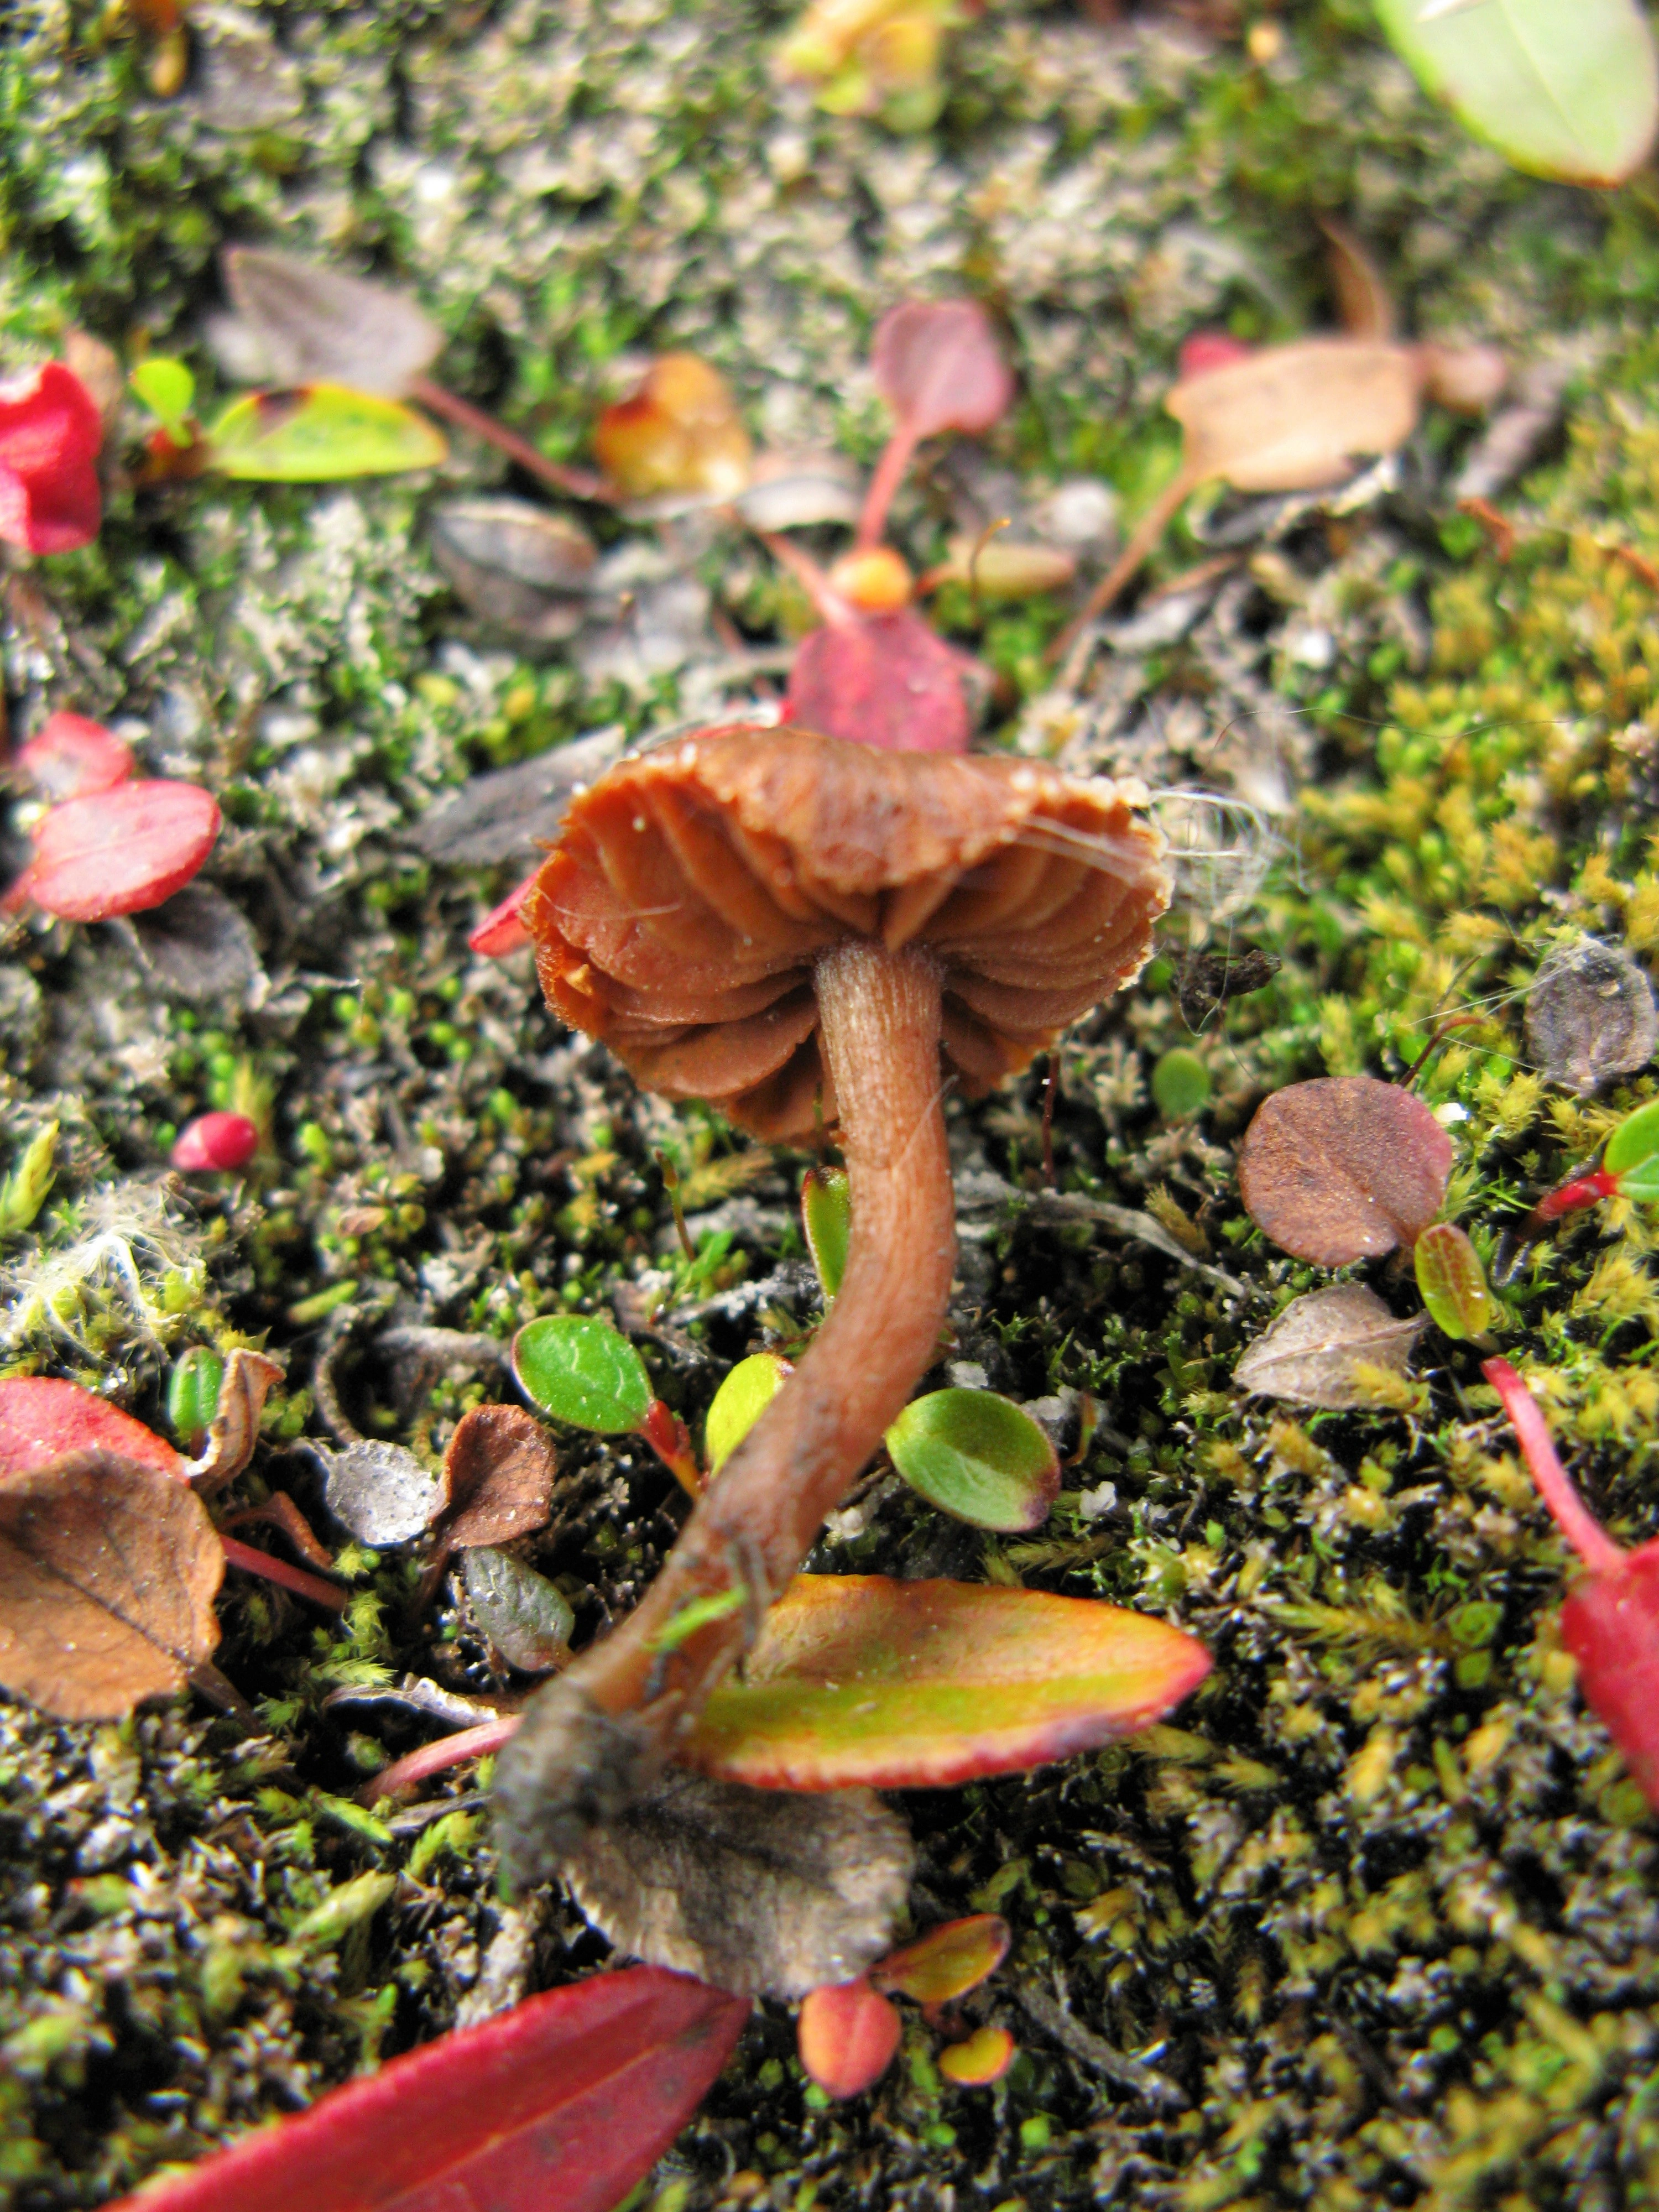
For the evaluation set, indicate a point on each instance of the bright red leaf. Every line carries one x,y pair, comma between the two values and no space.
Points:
215,1141
117,852
883,680
847,2035
1610,1624
42,1420
50,433
71,758
566,2101
502,930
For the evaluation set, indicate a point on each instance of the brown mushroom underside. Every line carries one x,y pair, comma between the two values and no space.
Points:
798,929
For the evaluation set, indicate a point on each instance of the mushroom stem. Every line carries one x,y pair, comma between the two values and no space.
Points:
597,1736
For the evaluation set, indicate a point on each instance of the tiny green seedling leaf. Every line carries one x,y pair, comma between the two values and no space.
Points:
1453,1282
193,1394
584,1372
977,1457
738,1403
1181,1085
826,1212
1632,1152
1563,91
321,433
168,390
24,1189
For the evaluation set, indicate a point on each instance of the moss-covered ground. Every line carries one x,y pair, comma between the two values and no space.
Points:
1383,1903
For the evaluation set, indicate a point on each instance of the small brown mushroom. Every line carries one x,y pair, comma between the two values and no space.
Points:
804,933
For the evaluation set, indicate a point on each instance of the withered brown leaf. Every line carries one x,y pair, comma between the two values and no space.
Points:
499,1473
1591,1015
1344,1167
108,1571
309,320
1316,1352
233,1431
767,1892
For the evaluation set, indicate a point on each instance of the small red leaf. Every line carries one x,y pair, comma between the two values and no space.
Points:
847,2035
565,2101
882,680
214,1142
119,851
501,931
1207,349
1610,1624
42,1420
1346,1168
72,757
50,433
939,366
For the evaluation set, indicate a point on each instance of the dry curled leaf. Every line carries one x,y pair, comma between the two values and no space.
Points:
249,1378
516,565
678,431
108,1571
763,1892
499,1473
1316,1352
308,322
1591,1015
1344,1167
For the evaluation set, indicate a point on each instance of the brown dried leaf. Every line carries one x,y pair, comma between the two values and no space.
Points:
1296,417
767,1892
516,565
197,946
499,1473
1314,1353
1346,1168
108,1571
249,1378
309,322
1591,1015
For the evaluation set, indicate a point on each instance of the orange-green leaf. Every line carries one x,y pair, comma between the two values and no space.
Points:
847,2035
947,1961
985,2057
320,433
858,1679
1453,1282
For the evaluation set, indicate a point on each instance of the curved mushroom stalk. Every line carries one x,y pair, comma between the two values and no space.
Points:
594,1739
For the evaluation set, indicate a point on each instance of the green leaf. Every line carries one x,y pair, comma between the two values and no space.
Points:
859,1679
978,1456
1565,89
1181,1085
1634,1145
319,433
1453,1282
24,1191
193,1393
826,1213
580,1370
738,1403
168,390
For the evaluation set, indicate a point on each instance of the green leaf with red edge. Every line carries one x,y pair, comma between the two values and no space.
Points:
978,1456
41,1420
583,1373
847,2035
321,433
568,2100
947,1961
1453,1281
859,1679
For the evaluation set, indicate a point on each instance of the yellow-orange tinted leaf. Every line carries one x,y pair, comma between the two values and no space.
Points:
985,2057
679,432
947,1961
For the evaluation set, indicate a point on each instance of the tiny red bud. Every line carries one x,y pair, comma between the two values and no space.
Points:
216,1142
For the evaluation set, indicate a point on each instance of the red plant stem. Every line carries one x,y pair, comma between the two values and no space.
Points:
436,1757
831,606
889,475
597,1738
1569,1197
1572,1516
296,1579
671,1440
581,484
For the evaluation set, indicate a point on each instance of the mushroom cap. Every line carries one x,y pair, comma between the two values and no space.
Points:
679,918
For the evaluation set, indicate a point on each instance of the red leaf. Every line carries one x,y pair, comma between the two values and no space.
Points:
1343,1169
42,1420
564,2102
501,931
939,366
847,2035
119,851
72,756
215,1141
1207,349
50,433
883,680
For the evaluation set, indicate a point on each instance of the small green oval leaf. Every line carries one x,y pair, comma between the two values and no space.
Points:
320,434
1181,1085
1453,1282
1564,88
738,1403
1634,1145
827,1216
582,1372
167,388
977,1457
863,1680
193,1393
526,1618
